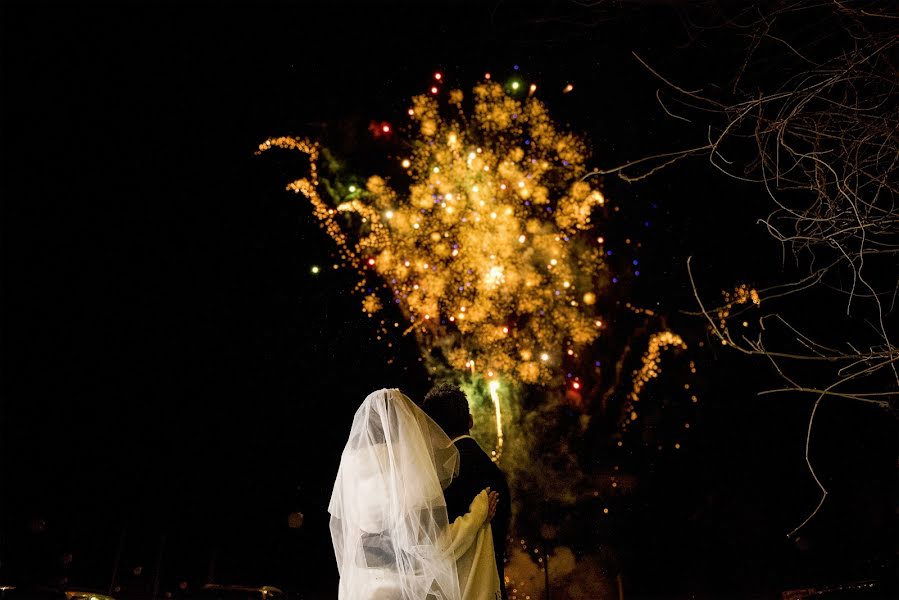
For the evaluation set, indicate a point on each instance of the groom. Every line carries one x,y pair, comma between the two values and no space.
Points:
447,405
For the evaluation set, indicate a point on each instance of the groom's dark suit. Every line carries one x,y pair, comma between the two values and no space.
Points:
476,472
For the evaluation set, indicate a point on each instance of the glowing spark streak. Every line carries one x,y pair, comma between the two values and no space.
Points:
494,385
652,360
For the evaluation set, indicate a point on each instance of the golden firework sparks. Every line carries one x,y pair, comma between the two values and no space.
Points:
491,252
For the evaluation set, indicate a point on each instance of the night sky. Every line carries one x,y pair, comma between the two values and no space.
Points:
174,373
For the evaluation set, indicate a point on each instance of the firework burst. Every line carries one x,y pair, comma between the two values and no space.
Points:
491,251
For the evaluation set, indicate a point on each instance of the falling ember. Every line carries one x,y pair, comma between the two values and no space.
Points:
652,360
741,295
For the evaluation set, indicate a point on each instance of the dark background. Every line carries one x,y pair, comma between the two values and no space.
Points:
174,376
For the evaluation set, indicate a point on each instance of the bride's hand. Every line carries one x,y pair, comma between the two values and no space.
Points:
492,502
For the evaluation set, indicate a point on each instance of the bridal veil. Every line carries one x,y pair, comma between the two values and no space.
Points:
388,514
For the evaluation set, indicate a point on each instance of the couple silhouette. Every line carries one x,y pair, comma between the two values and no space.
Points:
418,511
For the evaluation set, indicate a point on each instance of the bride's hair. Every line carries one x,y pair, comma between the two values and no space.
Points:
447,405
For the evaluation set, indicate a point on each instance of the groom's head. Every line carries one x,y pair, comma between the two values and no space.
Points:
448,406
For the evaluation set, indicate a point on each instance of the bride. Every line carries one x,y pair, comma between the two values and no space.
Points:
389,525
